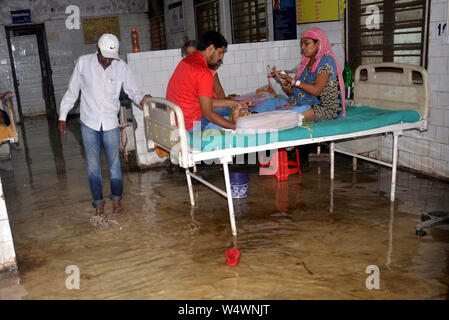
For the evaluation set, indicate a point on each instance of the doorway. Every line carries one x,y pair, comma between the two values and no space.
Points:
31,70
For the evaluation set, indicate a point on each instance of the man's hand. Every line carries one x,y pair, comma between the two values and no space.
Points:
243,106
239,104
144,99
62,127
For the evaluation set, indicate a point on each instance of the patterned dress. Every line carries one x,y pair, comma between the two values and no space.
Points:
327,105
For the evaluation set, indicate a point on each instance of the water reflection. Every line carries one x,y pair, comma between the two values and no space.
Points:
282,191
390,235
56,146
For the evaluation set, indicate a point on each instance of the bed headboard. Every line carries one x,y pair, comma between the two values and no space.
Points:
162,128
392,86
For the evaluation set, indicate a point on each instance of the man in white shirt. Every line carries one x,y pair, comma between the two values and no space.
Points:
100,77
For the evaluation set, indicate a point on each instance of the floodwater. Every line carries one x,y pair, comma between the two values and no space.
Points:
301,239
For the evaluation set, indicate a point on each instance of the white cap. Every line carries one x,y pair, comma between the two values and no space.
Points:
108,44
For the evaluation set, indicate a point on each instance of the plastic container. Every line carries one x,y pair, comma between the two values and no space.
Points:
232,257
135,40
239,185
348,77
279,165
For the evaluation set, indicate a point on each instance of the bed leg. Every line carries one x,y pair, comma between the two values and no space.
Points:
229,196
332,156
354,164
189,183
318,149
394,166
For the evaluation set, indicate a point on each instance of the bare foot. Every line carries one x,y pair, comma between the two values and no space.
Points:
236,114
117,209
99,214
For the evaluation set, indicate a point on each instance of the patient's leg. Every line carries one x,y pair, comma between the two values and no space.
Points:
269,105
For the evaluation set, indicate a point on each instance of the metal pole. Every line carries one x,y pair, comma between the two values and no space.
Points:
189,183
332,155
394,165
230,203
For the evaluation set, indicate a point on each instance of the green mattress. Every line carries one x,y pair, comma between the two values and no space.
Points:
357,119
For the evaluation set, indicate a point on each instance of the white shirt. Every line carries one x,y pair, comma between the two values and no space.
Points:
100,91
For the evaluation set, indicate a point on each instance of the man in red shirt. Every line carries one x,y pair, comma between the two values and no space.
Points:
191,86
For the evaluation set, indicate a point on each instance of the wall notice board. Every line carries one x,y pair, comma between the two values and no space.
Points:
93,28
317,10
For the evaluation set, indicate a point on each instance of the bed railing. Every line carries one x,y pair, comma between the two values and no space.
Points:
164,125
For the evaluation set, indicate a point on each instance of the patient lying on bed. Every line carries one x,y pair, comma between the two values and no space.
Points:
315,91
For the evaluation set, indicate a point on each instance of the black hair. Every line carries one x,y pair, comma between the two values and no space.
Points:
314,40
190,43
5,118
211,37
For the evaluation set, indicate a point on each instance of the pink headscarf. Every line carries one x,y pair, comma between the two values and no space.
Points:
324,49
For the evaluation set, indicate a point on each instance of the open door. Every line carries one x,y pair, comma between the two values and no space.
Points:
31,70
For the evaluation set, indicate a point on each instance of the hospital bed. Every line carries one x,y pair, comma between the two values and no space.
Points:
389,99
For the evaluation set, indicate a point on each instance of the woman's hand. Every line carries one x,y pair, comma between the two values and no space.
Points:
286,80
283,76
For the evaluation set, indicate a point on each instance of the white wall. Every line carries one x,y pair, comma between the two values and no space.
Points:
428,152
7,253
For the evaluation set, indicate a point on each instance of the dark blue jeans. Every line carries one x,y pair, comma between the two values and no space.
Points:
92,140
206,124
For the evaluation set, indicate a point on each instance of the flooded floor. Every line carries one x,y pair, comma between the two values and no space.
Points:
301,239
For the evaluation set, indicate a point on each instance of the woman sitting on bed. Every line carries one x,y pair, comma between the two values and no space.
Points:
315,90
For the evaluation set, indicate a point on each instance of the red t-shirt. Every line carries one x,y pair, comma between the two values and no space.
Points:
213,72
191,79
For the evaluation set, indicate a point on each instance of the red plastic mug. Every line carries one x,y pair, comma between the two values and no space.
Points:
232,257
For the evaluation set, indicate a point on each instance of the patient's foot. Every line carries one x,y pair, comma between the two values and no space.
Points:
236,115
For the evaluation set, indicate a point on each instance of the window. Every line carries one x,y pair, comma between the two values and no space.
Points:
249,21
157,25
399,36
207,16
